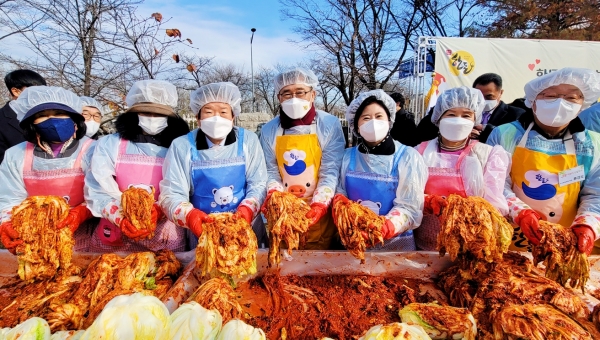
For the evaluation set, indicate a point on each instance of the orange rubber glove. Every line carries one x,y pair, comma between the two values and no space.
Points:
263,208
338,198
585,238
194,220
132,232
317,211
529,221
387,231
434,204
75,218
9,237
245,213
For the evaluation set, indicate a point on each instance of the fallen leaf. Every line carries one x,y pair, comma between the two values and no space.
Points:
176,57
157,16
191,67
174,33
189,40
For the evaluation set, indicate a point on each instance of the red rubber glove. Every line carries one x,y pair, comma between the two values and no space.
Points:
263,208
317,211
387,230
585,238
245,213
434,204
132,232
529,221
194,220
156,213
338,198
75,218
9,237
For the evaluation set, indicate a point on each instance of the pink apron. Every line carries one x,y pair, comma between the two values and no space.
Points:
67,183
144,172
442,182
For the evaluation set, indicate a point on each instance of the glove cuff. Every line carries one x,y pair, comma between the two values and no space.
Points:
527,212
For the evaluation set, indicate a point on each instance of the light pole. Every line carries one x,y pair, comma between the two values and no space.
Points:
252,71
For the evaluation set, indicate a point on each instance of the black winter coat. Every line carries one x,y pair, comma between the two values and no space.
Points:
10,132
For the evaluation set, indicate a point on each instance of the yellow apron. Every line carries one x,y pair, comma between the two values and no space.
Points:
299,161
535,181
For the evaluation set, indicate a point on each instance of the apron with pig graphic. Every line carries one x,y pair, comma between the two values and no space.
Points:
67,183
299,161
377,192
133,170
535,181
442,182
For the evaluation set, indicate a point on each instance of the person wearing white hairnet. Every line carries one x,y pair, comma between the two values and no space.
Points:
382,174
217,168
457,164
92,112
303,150
555,175
134,157
52,161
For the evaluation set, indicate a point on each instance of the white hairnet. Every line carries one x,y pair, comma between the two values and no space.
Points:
298,75
380,95
466,97
588,81
37,95
89,101
152,91
225,92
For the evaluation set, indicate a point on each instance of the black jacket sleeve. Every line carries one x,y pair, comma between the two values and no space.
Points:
426,130
503,114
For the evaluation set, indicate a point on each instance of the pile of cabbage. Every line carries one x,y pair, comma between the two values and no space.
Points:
142,317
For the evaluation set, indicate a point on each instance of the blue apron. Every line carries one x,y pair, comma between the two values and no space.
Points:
377,192
219,184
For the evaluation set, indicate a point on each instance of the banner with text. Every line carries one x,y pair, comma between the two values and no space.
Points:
459,61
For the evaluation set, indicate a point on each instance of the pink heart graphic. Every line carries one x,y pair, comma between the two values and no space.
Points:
537,61
531,66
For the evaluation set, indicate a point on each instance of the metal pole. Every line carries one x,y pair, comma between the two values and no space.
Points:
252,71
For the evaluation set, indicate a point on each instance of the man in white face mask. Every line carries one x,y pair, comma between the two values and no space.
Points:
495,111
303,151
382,174
92,112
555,173
134,156
217,168
457,164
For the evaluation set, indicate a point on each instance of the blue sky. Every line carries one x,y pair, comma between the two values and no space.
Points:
221,29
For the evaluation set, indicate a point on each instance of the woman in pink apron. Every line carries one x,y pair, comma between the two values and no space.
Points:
52,161
217,168
554,174
382,174
134,156
457,164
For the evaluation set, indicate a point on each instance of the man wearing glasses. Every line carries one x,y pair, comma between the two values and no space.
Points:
303,150
555,174
92,112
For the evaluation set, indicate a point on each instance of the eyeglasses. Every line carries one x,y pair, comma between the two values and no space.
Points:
96,117
571,97
297,94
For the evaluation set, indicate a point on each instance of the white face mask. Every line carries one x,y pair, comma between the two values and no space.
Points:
92,128
216,127
557,112
456,129
374,130
152,125
490,105
296,108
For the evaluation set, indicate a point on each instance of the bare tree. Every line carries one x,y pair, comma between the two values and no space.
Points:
448,18
365,39
17,19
